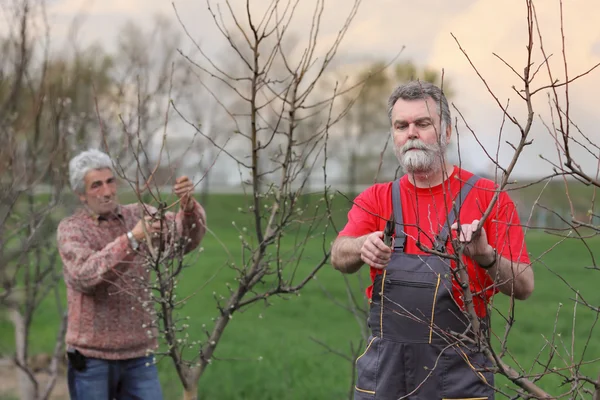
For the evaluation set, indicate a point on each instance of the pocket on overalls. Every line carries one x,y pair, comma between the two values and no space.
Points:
466,376
366,370
409,306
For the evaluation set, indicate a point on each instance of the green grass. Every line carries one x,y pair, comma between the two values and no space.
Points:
548,315
267,351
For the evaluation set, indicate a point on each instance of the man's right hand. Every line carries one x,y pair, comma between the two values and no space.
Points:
152,227
374,252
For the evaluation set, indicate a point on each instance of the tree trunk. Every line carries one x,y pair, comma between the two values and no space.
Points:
597,391
191,393
27,386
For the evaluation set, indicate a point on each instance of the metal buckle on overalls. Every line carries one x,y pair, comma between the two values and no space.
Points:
439,246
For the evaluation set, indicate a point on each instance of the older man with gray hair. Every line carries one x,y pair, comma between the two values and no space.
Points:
417,300
109,339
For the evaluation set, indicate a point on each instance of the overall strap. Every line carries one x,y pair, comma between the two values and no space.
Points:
397,205
442,237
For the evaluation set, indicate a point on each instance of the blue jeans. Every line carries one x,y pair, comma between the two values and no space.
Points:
115,379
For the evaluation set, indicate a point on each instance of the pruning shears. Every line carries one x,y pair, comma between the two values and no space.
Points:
388,232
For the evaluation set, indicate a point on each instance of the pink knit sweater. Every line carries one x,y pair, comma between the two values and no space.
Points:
105,281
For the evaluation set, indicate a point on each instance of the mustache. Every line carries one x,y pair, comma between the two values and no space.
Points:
417,145
105,199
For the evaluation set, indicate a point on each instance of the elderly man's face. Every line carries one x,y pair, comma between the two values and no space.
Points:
100,191
416,132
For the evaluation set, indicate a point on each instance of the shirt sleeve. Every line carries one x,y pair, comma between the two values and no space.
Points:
84,267
362,217
505,232
191,226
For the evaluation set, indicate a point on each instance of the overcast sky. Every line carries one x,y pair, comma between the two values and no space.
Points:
424,28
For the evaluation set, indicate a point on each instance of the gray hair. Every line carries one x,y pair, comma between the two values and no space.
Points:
415,90
84,162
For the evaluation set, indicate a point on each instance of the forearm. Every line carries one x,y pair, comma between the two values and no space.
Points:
191,226
511,277
86,269
345,254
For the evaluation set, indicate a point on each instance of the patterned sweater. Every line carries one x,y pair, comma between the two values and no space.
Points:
105,280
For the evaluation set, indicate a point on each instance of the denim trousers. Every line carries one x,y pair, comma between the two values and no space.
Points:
132,379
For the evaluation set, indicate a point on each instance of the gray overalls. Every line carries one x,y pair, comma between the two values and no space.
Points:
409,354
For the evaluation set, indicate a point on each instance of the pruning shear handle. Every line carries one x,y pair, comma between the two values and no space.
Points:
388,232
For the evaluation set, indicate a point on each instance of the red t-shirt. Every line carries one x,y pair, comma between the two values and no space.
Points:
425,211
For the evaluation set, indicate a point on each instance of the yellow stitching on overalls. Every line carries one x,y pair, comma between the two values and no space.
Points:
381,305
367,349
474,369
466,398
367,391
433,307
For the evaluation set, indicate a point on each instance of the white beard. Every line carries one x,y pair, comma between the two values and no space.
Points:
428,158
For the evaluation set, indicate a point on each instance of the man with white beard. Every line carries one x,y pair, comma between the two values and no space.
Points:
417,301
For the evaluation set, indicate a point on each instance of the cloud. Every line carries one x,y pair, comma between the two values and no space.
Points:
383,27
380,29
486,28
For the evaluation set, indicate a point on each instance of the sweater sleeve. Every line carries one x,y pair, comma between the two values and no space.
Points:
84,267
191,226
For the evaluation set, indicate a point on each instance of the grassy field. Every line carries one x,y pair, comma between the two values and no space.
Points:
268,352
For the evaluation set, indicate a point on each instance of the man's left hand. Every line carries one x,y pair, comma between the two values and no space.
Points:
183,188
476,243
